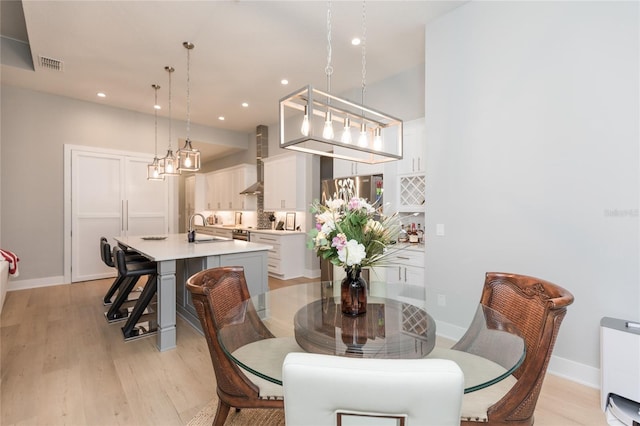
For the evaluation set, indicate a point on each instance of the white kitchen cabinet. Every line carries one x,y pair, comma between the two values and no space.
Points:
224,187
216,231
286,258
411,193
414,147
241,177
195,187
406,280
346,168
284,182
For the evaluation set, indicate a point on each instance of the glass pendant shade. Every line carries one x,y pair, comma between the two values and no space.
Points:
154,170
170,164
379,139
189,158
346,131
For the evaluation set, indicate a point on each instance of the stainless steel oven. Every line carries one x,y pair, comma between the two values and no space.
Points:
240,234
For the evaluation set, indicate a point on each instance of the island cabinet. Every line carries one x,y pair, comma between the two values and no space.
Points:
286,258
255,271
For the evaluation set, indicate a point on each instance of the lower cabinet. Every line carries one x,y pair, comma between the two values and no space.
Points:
406,280
286,258
255,271
215,231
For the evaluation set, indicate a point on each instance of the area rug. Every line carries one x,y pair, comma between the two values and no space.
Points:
245,417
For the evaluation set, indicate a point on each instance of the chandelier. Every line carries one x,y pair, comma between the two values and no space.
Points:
307,117
155,169
189,157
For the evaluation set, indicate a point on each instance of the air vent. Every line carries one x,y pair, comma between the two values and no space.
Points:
51,64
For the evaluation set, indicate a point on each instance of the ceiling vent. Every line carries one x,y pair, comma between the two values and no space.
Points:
51,64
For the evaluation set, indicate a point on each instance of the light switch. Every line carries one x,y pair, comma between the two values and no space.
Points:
440,229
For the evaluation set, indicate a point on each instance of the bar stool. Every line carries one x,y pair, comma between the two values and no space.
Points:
130,272
107,258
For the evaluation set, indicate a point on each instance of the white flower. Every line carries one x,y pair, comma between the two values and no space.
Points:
374,226
335,204
352,253
326,221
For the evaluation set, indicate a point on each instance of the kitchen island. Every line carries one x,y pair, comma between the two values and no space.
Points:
177,260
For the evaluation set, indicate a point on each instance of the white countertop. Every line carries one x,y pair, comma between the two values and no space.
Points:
250,229
274,232
176,246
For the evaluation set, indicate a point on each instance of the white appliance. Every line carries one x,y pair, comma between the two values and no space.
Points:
620,371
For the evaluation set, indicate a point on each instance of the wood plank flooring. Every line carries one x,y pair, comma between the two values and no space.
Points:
61,363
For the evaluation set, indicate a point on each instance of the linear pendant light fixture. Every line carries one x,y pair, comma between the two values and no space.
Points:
307,117
188,156
155,170
170,161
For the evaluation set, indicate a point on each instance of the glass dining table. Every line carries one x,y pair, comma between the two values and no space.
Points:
307,317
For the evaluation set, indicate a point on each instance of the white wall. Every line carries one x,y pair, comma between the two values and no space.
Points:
532,124
35,127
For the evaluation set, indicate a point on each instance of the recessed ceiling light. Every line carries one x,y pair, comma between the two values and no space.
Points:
356,41
101,95
157,107
221,118
245,104
284,81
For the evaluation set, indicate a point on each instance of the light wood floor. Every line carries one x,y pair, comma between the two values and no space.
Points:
62,364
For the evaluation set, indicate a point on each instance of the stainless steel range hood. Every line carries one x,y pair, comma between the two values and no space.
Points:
254,189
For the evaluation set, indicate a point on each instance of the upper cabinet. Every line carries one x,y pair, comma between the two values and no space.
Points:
284,182
414,147
346,168
224,187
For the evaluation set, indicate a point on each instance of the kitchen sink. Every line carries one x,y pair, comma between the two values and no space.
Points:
211,240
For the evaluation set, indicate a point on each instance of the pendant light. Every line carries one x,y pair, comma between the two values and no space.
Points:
155,170
307,116
170,161
188,156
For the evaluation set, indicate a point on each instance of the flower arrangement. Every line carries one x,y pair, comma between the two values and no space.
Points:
350,232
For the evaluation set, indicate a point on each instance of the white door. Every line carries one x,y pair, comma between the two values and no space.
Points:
110,197
97,210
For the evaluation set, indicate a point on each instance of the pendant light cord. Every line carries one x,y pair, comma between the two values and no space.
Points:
169,70
155,116
188,91
364,52
329,68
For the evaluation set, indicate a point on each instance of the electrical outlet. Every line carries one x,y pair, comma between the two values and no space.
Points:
442,300
440,229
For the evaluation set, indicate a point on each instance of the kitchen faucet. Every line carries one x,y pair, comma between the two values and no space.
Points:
192,231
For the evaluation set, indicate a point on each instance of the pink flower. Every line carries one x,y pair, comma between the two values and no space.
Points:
339,241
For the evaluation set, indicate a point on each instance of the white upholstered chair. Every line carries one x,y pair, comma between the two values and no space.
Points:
325,390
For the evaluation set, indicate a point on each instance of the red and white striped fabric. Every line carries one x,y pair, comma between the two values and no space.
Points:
13,261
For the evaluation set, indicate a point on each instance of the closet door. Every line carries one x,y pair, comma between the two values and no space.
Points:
111,197
97,209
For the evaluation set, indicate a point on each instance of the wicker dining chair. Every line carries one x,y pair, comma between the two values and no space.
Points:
536,307
216,293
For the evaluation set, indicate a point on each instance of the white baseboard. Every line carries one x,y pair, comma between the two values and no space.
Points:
35,283
312,273
562,367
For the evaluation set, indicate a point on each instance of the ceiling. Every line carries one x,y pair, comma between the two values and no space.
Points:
243,49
